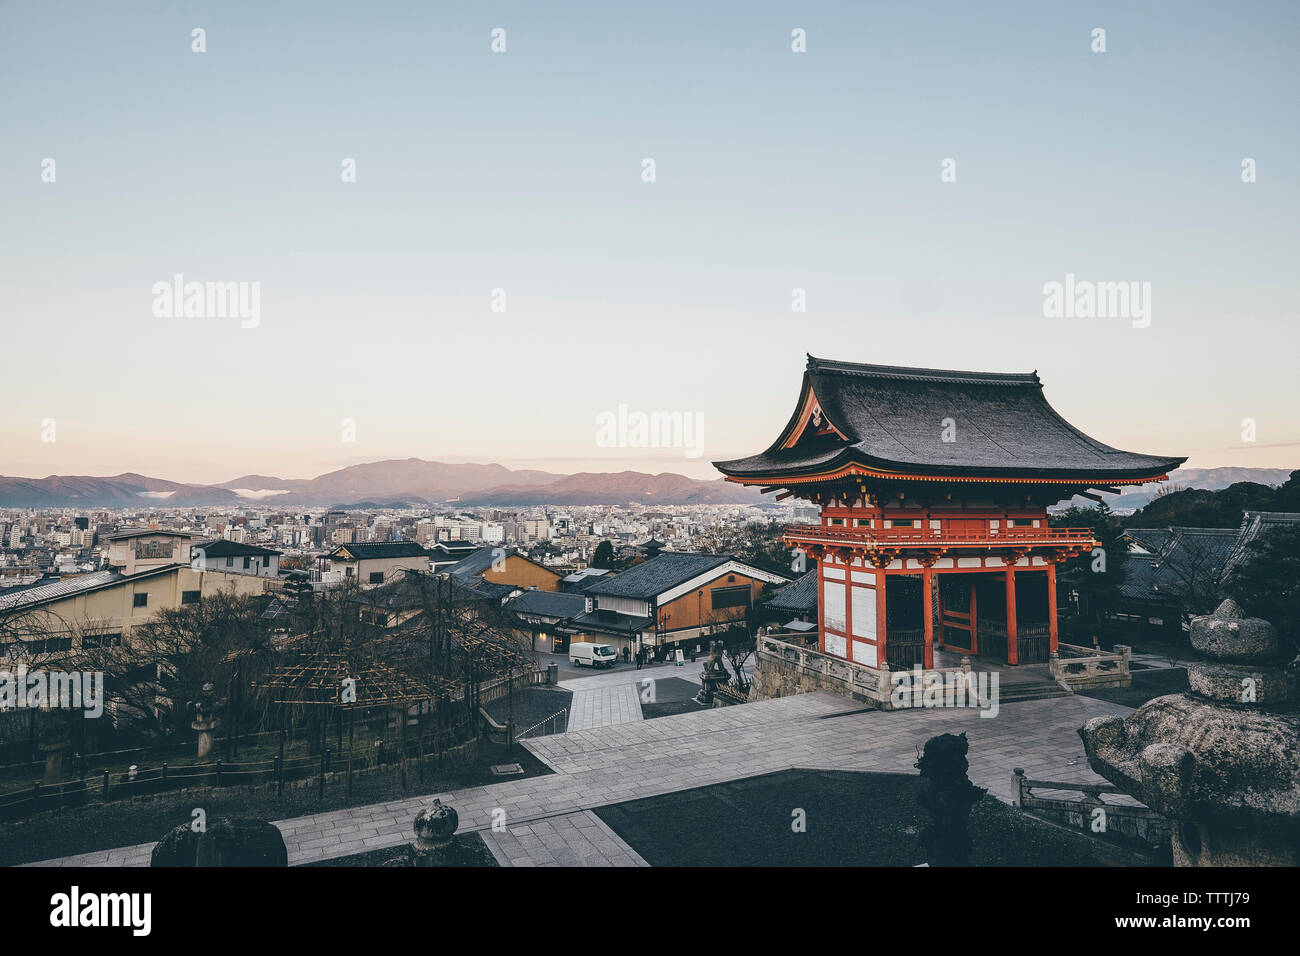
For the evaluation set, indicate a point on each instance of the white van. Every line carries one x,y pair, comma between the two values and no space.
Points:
593,655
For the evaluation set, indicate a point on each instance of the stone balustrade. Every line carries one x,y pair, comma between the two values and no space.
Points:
1076,666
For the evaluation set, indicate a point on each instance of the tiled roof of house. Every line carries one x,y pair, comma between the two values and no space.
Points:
800,595
382,549
662,573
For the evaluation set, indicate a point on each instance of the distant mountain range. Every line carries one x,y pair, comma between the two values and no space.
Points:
1207,479
393,483
419,483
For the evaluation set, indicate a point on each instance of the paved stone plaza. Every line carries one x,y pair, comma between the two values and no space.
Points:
616,760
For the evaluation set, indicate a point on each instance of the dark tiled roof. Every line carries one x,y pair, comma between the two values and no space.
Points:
1253,524
232,549
455,548
481,560
382,549
415,590
799,595
556,604
659,574
612,621
144,532
892,417
1190,560
476,562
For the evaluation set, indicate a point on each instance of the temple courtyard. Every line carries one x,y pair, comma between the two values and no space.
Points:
611,757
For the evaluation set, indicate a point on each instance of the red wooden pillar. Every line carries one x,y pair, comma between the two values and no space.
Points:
847,558
1013,650
1051,607
974,626
943,634
821,604
927,609
882,661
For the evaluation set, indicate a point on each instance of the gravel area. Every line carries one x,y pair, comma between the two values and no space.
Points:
1146,684
852,819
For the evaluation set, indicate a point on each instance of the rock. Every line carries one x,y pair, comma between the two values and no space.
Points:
180,847
225,843
1223,760
1226,635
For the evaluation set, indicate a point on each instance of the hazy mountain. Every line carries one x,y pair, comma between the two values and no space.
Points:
410,480
119,491
419,482
1206,479
620,488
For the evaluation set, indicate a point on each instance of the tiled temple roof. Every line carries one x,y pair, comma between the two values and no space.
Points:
891,419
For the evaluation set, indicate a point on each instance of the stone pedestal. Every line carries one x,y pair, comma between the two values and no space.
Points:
714,673
1221,761
435,826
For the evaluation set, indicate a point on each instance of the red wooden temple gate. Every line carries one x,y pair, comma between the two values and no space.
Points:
933,489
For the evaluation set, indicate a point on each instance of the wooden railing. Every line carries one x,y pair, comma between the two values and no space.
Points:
1033,641
905,649
871,538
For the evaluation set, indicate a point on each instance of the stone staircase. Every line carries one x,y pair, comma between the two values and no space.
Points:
1009,693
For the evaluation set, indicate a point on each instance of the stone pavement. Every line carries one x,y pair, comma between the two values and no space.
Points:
628,761
575,839
614,697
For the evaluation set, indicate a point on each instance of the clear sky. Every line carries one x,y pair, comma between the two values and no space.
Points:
522,171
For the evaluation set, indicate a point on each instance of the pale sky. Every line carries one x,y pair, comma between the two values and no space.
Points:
522,171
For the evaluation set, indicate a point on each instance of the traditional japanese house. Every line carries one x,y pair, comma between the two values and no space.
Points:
933,488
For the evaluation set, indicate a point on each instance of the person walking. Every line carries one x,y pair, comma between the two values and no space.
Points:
640,657
627,655
695,652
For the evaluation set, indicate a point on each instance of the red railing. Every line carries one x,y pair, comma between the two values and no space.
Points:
872,538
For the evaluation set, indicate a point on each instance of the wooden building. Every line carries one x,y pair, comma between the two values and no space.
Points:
933,488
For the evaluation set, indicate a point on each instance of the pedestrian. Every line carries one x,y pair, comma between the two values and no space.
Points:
640,656
695,652
627,655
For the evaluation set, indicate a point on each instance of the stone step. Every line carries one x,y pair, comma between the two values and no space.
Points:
1030,690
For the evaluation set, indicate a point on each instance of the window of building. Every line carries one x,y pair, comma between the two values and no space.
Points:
729,597
376,577
230,562
1023,522
247,563
191,597
140,600
837,521
902,523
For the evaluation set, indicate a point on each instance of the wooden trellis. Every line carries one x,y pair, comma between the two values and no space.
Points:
321,679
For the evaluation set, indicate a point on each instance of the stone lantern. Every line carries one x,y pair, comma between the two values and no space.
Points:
1222,761
205,718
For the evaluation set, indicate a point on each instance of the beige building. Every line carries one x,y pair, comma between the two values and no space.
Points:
100,609
371,565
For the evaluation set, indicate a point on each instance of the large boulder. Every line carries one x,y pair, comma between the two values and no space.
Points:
226,842
1223,760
